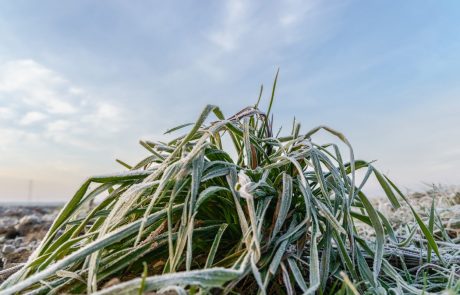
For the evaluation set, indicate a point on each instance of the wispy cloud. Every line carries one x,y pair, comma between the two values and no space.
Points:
233,25
296,11
41,103
248,25
32,117
47,125
6,113
36,86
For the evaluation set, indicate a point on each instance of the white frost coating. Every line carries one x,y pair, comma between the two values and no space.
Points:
126,173
211,277
243,185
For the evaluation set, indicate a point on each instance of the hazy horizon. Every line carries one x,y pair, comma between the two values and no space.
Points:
82,82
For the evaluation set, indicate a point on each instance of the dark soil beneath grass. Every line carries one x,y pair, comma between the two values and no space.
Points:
21,229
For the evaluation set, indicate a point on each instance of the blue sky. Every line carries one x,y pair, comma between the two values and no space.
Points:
82,81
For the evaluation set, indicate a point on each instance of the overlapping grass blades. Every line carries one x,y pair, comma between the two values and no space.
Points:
269,215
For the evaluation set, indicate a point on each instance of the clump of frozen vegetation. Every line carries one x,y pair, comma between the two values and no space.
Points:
280,217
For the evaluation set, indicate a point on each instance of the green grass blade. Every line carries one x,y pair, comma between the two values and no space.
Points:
215,245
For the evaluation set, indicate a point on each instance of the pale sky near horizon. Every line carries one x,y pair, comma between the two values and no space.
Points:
82,81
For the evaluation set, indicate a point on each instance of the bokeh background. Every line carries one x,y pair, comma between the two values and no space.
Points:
82,81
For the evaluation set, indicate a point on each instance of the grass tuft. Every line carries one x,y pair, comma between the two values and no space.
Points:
228,207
